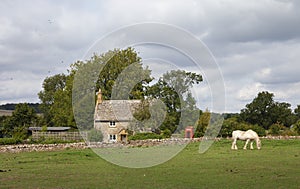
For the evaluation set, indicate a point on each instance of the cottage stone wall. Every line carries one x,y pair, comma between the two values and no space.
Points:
107,130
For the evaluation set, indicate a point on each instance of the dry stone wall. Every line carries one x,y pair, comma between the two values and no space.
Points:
136,143
40,147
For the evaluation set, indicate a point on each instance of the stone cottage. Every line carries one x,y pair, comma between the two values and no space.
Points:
113,117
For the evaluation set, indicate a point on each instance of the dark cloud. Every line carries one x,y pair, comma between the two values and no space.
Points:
256,43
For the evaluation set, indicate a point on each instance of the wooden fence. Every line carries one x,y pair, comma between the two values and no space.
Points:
65,136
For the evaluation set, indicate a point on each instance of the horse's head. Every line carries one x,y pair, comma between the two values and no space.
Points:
258,144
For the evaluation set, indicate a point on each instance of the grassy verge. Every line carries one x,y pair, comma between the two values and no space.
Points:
275,166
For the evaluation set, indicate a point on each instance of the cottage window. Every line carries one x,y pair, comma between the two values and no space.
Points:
112,123
112,138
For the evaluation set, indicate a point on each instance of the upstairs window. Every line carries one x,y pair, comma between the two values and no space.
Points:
112,123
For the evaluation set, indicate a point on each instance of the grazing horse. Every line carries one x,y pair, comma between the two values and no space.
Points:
248,135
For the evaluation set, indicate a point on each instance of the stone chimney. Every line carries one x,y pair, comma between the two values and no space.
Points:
99,97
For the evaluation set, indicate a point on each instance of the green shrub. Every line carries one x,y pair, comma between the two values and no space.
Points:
166,133
95,135
9,141
288,132
44,140
144,136
296,127
44,128
274,129
260,130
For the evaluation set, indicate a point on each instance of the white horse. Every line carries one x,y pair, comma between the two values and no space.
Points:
248,135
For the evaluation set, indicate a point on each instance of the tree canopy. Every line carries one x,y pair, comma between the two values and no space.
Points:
17,125
264,111
173,89
101,71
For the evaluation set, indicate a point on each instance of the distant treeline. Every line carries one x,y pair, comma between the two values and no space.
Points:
12,106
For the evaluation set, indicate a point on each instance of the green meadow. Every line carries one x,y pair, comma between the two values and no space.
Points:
276,165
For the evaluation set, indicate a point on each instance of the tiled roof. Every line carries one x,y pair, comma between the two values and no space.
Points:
116,110
49,128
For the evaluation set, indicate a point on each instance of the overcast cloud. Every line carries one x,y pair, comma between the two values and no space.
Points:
255,43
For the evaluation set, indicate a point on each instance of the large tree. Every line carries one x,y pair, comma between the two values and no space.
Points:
122,69
109,71
17,125
119,70
173,88
264,111
48,96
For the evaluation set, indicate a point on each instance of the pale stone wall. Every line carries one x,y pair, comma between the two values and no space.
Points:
107,130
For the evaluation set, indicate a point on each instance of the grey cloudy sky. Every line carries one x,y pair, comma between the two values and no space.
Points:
255,43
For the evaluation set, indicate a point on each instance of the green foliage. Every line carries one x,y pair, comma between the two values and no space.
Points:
296,127
57,93
258,111
49,141
51,86
171,121
228,126
142,114
202,124
233,123
189,113
278,129
260,131
5,126
275,129
297,112
264,111
113,63
16,126
44,128
95,135
173,88
120,69
149,115
288,132
9,141
144,136
166,133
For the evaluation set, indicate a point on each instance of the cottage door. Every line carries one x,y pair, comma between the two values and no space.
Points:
123,138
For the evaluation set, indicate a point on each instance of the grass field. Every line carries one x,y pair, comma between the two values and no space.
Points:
277,165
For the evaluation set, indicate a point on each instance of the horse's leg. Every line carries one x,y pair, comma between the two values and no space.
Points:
245,147
233,146
251,144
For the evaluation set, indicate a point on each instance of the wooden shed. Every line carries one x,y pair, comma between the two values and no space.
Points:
59,133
